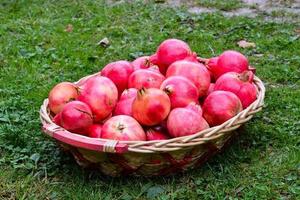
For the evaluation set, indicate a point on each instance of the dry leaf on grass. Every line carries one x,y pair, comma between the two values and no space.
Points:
69,28
245,44
298,31
104,42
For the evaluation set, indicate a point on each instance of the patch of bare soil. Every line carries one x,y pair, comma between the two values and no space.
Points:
272,10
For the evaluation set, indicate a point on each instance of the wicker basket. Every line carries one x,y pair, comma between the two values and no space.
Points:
149,158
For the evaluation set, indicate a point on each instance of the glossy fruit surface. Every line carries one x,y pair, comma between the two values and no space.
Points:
61,94
123,128
101,94
151,106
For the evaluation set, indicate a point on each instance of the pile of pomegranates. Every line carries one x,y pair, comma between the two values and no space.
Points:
172,93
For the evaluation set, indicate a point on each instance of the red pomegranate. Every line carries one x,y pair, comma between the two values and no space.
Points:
156,133
146,78
75,116
169,51
124,105
151,106
180,90
101,94
128,94
195,72
57,119
220,106
123,128
119,73
210,90
212,63
192,58
141,63
229,61
154,60
94,130
186,121
239,84
61,94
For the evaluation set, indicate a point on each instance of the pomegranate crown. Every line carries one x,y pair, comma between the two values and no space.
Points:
246,76
141,92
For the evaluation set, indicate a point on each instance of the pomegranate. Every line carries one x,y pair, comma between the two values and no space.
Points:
186,121
141,63
147,78
101,94
151,106
94,130
192,58
119,73
229,61
156,133
195,72
210,90
169,51
76,116
239,84
124,105
220,106
57,119
180,90
128,94
154,60
61,94
212,63
124,128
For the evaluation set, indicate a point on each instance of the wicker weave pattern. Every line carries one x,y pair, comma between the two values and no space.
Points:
149,157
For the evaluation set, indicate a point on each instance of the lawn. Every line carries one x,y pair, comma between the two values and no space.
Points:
36,52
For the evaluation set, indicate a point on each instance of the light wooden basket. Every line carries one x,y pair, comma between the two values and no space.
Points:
149,158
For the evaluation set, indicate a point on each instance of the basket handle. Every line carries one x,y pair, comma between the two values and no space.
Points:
111,146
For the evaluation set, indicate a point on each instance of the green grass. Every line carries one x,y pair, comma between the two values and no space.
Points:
221,4
36,53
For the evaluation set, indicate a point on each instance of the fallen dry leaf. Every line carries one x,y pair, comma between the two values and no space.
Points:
69,28
104,42
259,55
245,44
298,31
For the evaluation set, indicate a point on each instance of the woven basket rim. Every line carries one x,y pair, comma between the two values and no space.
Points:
106,145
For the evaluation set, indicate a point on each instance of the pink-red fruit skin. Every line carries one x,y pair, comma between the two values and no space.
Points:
124,105
220,106
239,84
61,94
154,134
212,64
57,119
229,61
76,116
195,72
142,62
151,106
94,131
171,50
210,90
123,128
118,72
146,78
186,121
101,94
180,90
